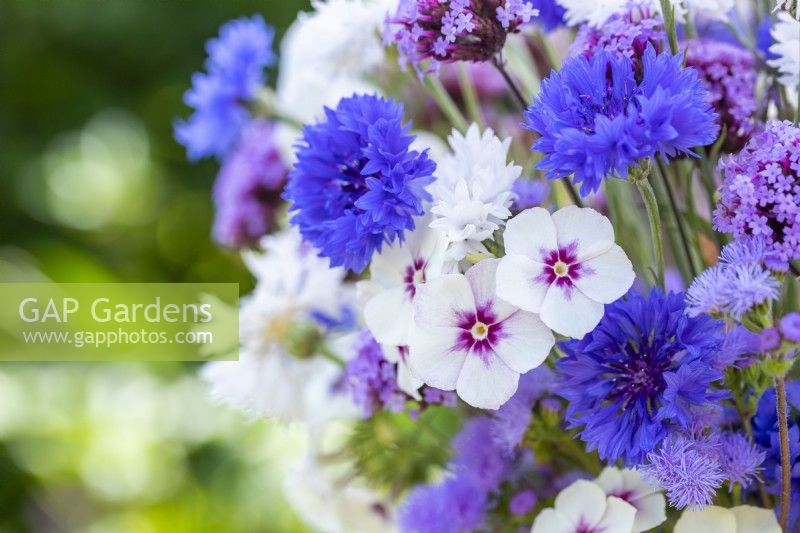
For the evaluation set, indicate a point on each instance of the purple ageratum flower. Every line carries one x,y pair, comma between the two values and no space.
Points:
686,469
790,326
470,341
761,191
431,32
737,284
453,506
522,502
596,118
247,190
739,459
511,421
477,457
729,74
530,193
371,379
638,376
626,34
356,183
235,73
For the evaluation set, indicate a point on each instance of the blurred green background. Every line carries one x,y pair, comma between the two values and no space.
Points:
94,188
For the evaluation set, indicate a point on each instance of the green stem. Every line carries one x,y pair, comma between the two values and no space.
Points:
651,205
327,353
445,103
786,467
668,13
679,219
470,96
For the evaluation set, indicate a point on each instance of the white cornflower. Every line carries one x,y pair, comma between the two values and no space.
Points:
786,33
472,192
466,339
628,485
597,12
741,519
583,506
292,283
563,266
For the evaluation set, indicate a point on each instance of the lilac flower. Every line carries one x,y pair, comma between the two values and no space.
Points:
626,34
372,379
235,73
729,74
639,375
761,191
356,184
431,32
687,470
790,326
737,284
453,506
530,193
467,339
247,190
596,118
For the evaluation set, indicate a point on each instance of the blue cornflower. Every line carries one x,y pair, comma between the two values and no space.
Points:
639,375
356,183
737,284
596,118
234,74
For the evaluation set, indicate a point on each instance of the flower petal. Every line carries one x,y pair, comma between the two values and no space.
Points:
751,519
438,302
432,357
530,232
516,282
525,342
592,231
650,512
388,316
607,276
571,314
711,518
583,502
482,279
619,516
551,521
486,382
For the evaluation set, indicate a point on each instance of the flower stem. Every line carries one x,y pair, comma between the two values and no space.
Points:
498,63
445,103
651,205
470,96
783,431
679,219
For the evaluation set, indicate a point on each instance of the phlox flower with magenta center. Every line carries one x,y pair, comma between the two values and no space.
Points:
357,185
596,118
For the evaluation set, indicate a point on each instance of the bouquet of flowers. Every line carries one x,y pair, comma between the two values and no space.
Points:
521,264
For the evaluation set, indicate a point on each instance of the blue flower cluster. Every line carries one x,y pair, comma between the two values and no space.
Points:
235,73
643,372
357,184
596,119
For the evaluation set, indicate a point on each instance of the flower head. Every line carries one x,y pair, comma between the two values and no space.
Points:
452,506
596,118
790,326
687,470
472,193
627,34
477,457
729,74
467,339
639,374
739,459
372,379
761,191
235,73
356,184
786,34
529,193
737,284
430,32
247,190
740,518
583,506
511,421
563,266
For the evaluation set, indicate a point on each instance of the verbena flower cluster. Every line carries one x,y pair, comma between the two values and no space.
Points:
466,345
761,190
596,119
